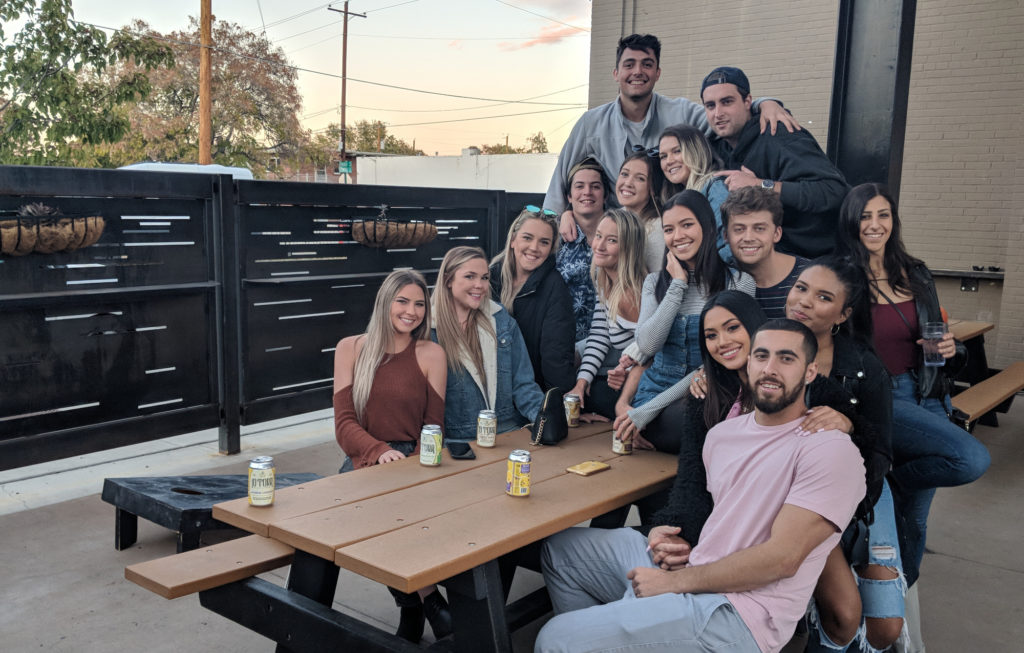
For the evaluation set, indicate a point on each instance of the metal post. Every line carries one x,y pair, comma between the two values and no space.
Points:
868,117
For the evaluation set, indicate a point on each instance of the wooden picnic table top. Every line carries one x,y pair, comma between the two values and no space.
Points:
454,516
966,329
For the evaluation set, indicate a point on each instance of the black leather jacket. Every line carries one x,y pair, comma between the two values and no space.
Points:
933,382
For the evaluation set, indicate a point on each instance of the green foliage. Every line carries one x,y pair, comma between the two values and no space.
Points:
255,105
535,144
51,94
372,136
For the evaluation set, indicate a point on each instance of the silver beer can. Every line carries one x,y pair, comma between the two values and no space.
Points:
261,481
572,409
486,428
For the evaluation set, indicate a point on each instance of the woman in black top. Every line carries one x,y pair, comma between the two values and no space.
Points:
525,281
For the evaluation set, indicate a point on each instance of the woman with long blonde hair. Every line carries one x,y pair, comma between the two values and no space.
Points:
688,163
388,383
618,271
484,349
531,289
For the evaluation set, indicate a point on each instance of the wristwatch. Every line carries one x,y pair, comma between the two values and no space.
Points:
767,184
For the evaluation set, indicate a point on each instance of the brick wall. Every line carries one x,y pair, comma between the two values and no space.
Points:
960,195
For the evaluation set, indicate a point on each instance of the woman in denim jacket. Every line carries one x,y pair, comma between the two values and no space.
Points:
486,355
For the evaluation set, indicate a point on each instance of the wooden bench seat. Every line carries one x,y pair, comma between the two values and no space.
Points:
209,567
982,397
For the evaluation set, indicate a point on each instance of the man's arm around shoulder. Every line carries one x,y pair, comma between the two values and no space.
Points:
795,533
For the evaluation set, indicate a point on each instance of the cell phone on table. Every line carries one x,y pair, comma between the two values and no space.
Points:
460,450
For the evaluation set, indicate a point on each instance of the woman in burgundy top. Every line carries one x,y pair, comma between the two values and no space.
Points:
388,383
928,450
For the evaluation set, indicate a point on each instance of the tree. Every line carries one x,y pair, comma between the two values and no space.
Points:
366,134
255,100
535,144
50,94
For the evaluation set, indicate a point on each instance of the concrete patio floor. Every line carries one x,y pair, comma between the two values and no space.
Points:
64,588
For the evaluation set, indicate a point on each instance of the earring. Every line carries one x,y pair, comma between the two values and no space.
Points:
835,328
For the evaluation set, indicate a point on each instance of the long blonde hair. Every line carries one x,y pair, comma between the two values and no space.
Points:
631,268
507,257
380,334
458,342
698,157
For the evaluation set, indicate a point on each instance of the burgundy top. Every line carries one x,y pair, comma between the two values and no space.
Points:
401,401
895,343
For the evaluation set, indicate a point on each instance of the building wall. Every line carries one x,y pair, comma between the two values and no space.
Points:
961,202
528,173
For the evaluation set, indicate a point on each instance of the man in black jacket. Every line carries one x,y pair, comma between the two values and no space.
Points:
791,164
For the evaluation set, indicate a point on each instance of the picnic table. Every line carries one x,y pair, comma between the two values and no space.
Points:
409,526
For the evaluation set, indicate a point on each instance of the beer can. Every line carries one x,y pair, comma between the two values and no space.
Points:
430,445
486,428
261,481
623,448
517,480
572,409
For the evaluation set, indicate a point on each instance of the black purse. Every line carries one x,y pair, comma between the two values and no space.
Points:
550,427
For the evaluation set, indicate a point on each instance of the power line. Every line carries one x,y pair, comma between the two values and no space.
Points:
534,13
481,106
506,115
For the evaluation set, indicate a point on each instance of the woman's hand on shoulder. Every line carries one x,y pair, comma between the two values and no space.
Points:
699,384
567,226
824,418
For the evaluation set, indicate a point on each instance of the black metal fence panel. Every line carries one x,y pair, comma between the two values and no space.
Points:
203,302
111,317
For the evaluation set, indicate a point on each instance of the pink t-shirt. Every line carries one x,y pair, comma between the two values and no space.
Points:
752,471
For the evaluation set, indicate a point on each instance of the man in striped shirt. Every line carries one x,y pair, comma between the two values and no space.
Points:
752,222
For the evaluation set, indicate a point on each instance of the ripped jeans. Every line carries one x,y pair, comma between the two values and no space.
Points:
877,544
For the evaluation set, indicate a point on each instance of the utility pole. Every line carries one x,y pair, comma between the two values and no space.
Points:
344,69
205,73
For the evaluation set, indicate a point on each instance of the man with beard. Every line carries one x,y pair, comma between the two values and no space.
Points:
781,500
635,119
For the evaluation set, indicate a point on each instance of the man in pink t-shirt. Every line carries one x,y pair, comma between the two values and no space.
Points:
781,500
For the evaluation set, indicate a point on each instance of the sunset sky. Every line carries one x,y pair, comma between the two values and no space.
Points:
489,49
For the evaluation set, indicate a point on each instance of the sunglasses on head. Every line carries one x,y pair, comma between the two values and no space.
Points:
651,151
536,210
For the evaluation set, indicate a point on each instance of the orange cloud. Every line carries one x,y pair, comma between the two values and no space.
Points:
548,35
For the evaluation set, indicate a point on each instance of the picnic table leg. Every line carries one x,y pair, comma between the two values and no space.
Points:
314,578
477,602
126,529
188,540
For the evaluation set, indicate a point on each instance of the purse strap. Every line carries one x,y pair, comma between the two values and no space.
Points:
541,421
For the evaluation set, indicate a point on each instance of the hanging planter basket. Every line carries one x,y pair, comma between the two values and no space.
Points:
43,229
384,231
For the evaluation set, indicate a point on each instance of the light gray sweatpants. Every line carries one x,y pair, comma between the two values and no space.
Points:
585,573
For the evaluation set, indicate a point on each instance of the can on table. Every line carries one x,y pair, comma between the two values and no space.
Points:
517,480
430,445
572,409
486,428
623,448
261,481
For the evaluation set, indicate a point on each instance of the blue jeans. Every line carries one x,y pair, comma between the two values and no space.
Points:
929,452
877,544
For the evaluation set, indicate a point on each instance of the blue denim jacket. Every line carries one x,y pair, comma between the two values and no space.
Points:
518,398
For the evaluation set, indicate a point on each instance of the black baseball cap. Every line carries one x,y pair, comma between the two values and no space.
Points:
727,75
